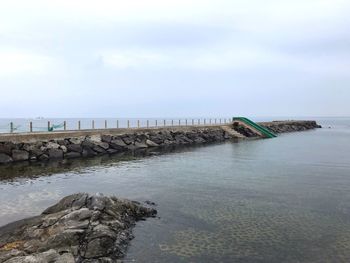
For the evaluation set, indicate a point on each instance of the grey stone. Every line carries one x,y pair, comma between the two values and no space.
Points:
63,148
94,138
77,140
139,145
20,155
52,145
4,158
79,228
55,154
119,142
88,152
151,143
103,145
7,147
128,140
74,148
98,149
106,138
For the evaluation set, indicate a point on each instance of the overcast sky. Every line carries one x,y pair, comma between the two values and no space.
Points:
165,58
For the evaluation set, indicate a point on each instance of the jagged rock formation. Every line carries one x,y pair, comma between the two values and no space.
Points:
290,126
80,228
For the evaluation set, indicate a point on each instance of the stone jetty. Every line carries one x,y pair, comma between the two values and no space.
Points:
33,147
79,228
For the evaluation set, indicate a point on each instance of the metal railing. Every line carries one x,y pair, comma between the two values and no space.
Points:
91,124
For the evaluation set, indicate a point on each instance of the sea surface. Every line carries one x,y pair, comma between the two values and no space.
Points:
275,200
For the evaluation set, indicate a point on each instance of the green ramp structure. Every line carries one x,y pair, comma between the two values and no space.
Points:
265,132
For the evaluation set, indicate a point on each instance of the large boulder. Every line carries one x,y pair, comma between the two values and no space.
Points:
4,158
80,228
74,148
151,143
20,155
7,147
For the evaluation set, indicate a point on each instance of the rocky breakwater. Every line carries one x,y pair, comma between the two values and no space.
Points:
290,126
93,145
80,228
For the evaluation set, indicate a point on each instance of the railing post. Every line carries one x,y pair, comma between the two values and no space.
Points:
64,125
215,121
172,122
11,127
164,123
186,122
93,124
31,127
79,125
105,124
117,124
199,121
128,124
138,123
204,122
48,126
156,123
147,123
179,122
220,121
192,122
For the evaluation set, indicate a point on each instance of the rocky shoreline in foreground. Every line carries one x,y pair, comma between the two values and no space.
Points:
79,228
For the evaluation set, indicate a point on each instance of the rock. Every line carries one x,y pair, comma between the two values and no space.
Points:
43,157
140,145
63,142
36,152
199,140
4,158
119,142
80,228
128,140
106,138
78,140
74,148
55,154
88,152
103,145
94,138
20,155
52,145
151,143
63,148
290,126
47,256
72,155
7,147
98,149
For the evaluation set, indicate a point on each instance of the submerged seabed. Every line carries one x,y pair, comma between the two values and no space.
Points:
280,200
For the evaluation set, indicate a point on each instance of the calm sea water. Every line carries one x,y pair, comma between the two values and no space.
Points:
276,200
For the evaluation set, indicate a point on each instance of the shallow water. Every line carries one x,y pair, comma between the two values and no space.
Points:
278,200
